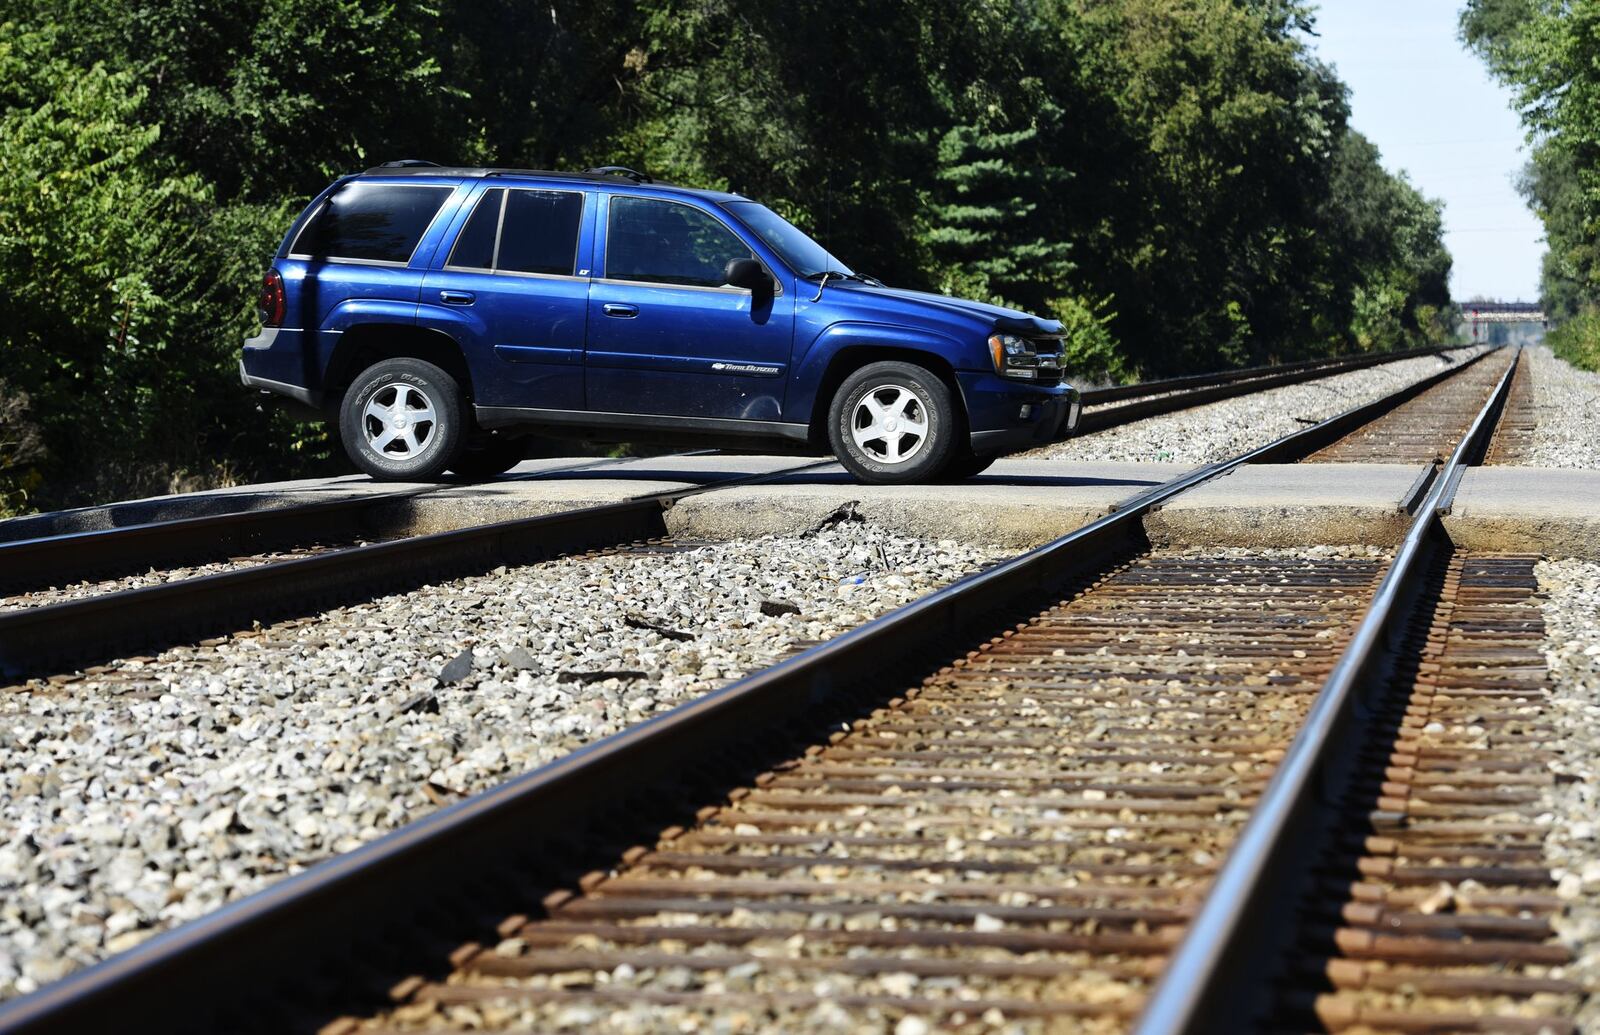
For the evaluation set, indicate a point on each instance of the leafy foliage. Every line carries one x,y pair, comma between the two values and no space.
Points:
1545,51
1173,179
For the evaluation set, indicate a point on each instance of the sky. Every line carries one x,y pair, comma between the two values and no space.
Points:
1431,108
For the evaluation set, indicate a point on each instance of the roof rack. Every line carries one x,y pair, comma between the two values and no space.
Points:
407,163
619,170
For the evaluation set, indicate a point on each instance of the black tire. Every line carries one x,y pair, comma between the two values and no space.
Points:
486,460
912,392
965,465
410,382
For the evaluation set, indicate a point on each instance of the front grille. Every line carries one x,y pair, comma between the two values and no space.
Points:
1050,357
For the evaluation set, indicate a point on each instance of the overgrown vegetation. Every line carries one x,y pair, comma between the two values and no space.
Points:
1545,50
1175,179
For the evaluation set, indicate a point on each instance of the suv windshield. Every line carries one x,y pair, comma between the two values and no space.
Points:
804,256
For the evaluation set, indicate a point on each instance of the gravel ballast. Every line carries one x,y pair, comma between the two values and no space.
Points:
154,790
1571,602
1566,402
1217,431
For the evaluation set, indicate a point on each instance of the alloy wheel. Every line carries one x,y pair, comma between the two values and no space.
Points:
890,424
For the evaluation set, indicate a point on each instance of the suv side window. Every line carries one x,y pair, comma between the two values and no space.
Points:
371,222
521,231
665,242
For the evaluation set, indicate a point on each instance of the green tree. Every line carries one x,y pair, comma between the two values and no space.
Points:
87,213
1389,238
1545,51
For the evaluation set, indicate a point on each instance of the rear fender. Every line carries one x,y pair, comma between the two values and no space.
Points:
463,325
355,311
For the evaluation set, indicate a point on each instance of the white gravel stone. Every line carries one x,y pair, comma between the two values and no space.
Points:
1571,591
150,793
1567,403
1220,430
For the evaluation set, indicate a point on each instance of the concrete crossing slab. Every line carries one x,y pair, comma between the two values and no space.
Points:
1017,502
1528,510
1291,505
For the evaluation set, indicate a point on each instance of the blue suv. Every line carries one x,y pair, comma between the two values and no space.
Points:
442,316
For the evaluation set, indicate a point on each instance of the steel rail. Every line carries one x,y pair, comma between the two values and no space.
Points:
1214,389
68,557
1232,942
92,628
336,920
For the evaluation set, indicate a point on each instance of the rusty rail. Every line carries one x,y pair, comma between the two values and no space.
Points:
1238,933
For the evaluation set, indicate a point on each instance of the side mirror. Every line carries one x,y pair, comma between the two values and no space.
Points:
746,273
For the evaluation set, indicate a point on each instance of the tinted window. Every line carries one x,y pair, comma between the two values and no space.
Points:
806,256
667,243
475,246
371,221
540,232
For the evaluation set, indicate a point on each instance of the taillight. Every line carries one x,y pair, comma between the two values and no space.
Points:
272,304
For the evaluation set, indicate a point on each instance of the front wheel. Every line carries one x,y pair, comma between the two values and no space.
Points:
401,420
891,423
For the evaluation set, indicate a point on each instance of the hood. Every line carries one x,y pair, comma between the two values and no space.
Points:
1000,318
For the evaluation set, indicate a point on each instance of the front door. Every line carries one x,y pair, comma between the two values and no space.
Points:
513,293
666,335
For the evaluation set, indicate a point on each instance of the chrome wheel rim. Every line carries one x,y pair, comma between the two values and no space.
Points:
399,421
890,424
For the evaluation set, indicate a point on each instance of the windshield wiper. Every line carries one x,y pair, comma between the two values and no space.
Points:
828,275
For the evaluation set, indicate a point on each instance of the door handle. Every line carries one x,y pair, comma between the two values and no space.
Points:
621,309
457,297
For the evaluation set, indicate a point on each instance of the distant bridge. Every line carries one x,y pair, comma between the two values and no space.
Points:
1502,312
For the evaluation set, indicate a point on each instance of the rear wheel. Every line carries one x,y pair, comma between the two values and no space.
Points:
891,423
496,456
401,420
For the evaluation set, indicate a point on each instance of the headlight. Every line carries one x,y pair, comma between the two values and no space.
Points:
1024,359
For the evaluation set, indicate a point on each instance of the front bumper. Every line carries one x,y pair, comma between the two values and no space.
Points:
1006,415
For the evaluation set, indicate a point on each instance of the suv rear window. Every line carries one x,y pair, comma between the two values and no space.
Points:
375,222
521,231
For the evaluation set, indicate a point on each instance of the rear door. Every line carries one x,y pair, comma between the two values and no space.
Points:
512,291
666,335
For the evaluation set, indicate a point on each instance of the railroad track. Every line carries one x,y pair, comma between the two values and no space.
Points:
1110,407
44,566
1423,430
1101,815
87,562
1513,439
309,557
1037,819
1440,915
83,630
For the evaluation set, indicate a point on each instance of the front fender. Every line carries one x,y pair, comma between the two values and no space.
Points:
811,366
